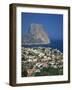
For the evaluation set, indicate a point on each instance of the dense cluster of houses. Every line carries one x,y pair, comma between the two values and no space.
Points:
35,59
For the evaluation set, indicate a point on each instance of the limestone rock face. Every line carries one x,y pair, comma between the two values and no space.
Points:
36,35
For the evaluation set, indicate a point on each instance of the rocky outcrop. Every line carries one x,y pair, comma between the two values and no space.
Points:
36,35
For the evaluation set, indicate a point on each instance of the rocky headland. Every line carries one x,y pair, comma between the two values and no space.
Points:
35,35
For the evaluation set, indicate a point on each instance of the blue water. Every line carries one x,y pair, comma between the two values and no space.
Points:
55,44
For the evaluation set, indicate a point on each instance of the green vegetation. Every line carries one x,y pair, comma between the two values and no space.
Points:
49,72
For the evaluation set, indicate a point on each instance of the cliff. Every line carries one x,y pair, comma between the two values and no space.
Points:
35,35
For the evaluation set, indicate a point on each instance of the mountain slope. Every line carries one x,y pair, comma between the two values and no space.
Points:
35,35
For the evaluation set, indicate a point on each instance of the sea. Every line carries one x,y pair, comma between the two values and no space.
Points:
55,44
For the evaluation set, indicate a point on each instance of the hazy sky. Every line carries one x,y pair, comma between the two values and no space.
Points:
52,23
